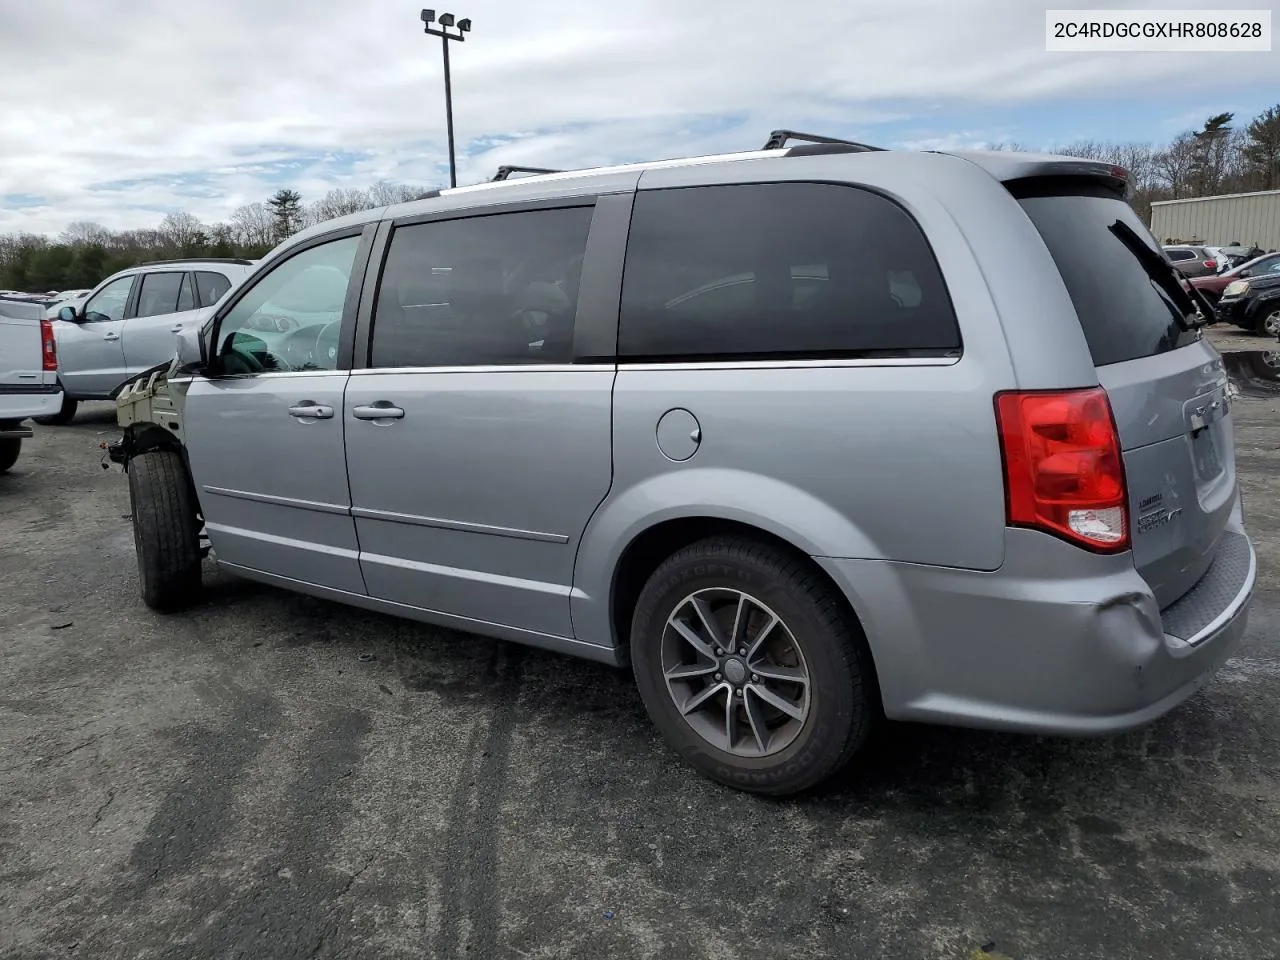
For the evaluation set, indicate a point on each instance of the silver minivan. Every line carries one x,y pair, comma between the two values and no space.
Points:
806,436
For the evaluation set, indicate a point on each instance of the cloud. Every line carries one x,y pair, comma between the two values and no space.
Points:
143,106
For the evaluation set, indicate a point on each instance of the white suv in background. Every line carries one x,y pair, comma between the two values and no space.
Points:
128,322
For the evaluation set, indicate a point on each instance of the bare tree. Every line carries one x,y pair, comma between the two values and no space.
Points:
1174,166
181,230
253,225
338,203
384,193
85,231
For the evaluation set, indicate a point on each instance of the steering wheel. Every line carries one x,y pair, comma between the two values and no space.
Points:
301,352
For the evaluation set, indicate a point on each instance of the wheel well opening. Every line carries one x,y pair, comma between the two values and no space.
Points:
644,555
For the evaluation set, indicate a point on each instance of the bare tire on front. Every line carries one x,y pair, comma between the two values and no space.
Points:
10,447
66,413
166,530
751,666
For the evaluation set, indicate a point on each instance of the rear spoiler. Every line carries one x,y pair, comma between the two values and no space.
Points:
1009,167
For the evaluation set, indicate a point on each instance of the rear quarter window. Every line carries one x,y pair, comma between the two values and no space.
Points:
780,270
1124,315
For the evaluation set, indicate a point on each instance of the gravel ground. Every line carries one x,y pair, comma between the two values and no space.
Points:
243,781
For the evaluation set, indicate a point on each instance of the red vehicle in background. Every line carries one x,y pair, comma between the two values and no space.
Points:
1213,286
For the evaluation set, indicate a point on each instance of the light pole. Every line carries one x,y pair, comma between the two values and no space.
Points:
463,27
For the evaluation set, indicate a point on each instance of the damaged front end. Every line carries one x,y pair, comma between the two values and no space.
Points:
149,412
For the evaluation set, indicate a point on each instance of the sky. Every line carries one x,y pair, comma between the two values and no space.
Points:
120,111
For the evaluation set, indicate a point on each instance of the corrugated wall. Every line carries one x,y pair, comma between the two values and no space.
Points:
1249,218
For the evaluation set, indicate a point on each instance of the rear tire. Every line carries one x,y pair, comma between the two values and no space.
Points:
65,414
166,533
790,735
10,447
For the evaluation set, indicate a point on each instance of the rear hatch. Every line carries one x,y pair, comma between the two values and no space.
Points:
1167,386
21,348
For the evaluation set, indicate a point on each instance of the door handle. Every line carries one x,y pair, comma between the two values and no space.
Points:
311,411
381,410
111,336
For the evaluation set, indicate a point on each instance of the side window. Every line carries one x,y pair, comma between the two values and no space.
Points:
1178,256
187,294
779,270
497,289
159,294
211,287
290,319
109,302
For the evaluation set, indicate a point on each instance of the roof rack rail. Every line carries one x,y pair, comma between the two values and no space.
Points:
240,260
778,139
506,170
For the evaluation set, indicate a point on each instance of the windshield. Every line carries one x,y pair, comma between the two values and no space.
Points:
1127,308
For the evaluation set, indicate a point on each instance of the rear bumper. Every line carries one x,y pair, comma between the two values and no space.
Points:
33,400
1057,641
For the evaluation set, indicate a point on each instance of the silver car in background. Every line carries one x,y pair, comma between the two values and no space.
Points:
805,436
128,322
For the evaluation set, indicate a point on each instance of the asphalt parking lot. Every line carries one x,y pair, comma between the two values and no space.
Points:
271,776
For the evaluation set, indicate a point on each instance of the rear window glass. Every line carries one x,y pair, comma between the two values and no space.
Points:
1124,314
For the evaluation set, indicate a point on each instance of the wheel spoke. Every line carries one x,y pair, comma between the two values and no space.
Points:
687,671
761,637
792,710
772,671
714,633
758,728
692,638
728,720
740,617
702,696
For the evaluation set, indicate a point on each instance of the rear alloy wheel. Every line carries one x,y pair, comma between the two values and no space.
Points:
751,667
1270,325
166,530
65,414
10,447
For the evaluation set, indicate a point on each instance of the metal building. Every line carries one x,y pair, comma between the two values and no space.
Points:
1247,217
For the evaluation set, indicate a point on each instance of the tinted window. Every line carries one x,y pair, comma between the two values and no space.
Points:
1179,255
1124,313
291,318
109,302
187,295
788,269
483,290
211,287
159,293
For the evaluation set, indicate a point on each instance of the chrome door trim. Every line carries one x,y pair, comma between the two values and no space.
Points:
278,501
463,526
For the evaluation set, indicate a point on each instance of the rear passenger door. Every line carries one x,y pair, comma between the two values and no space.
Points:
478,430
150,334
264,432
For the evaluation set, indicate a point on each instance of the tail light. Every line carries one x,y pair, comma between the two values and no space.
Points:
1211,264
48,346
1063,471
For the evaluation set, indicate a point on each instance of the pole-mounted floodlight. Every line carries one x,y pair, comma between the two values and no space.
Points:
445,21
